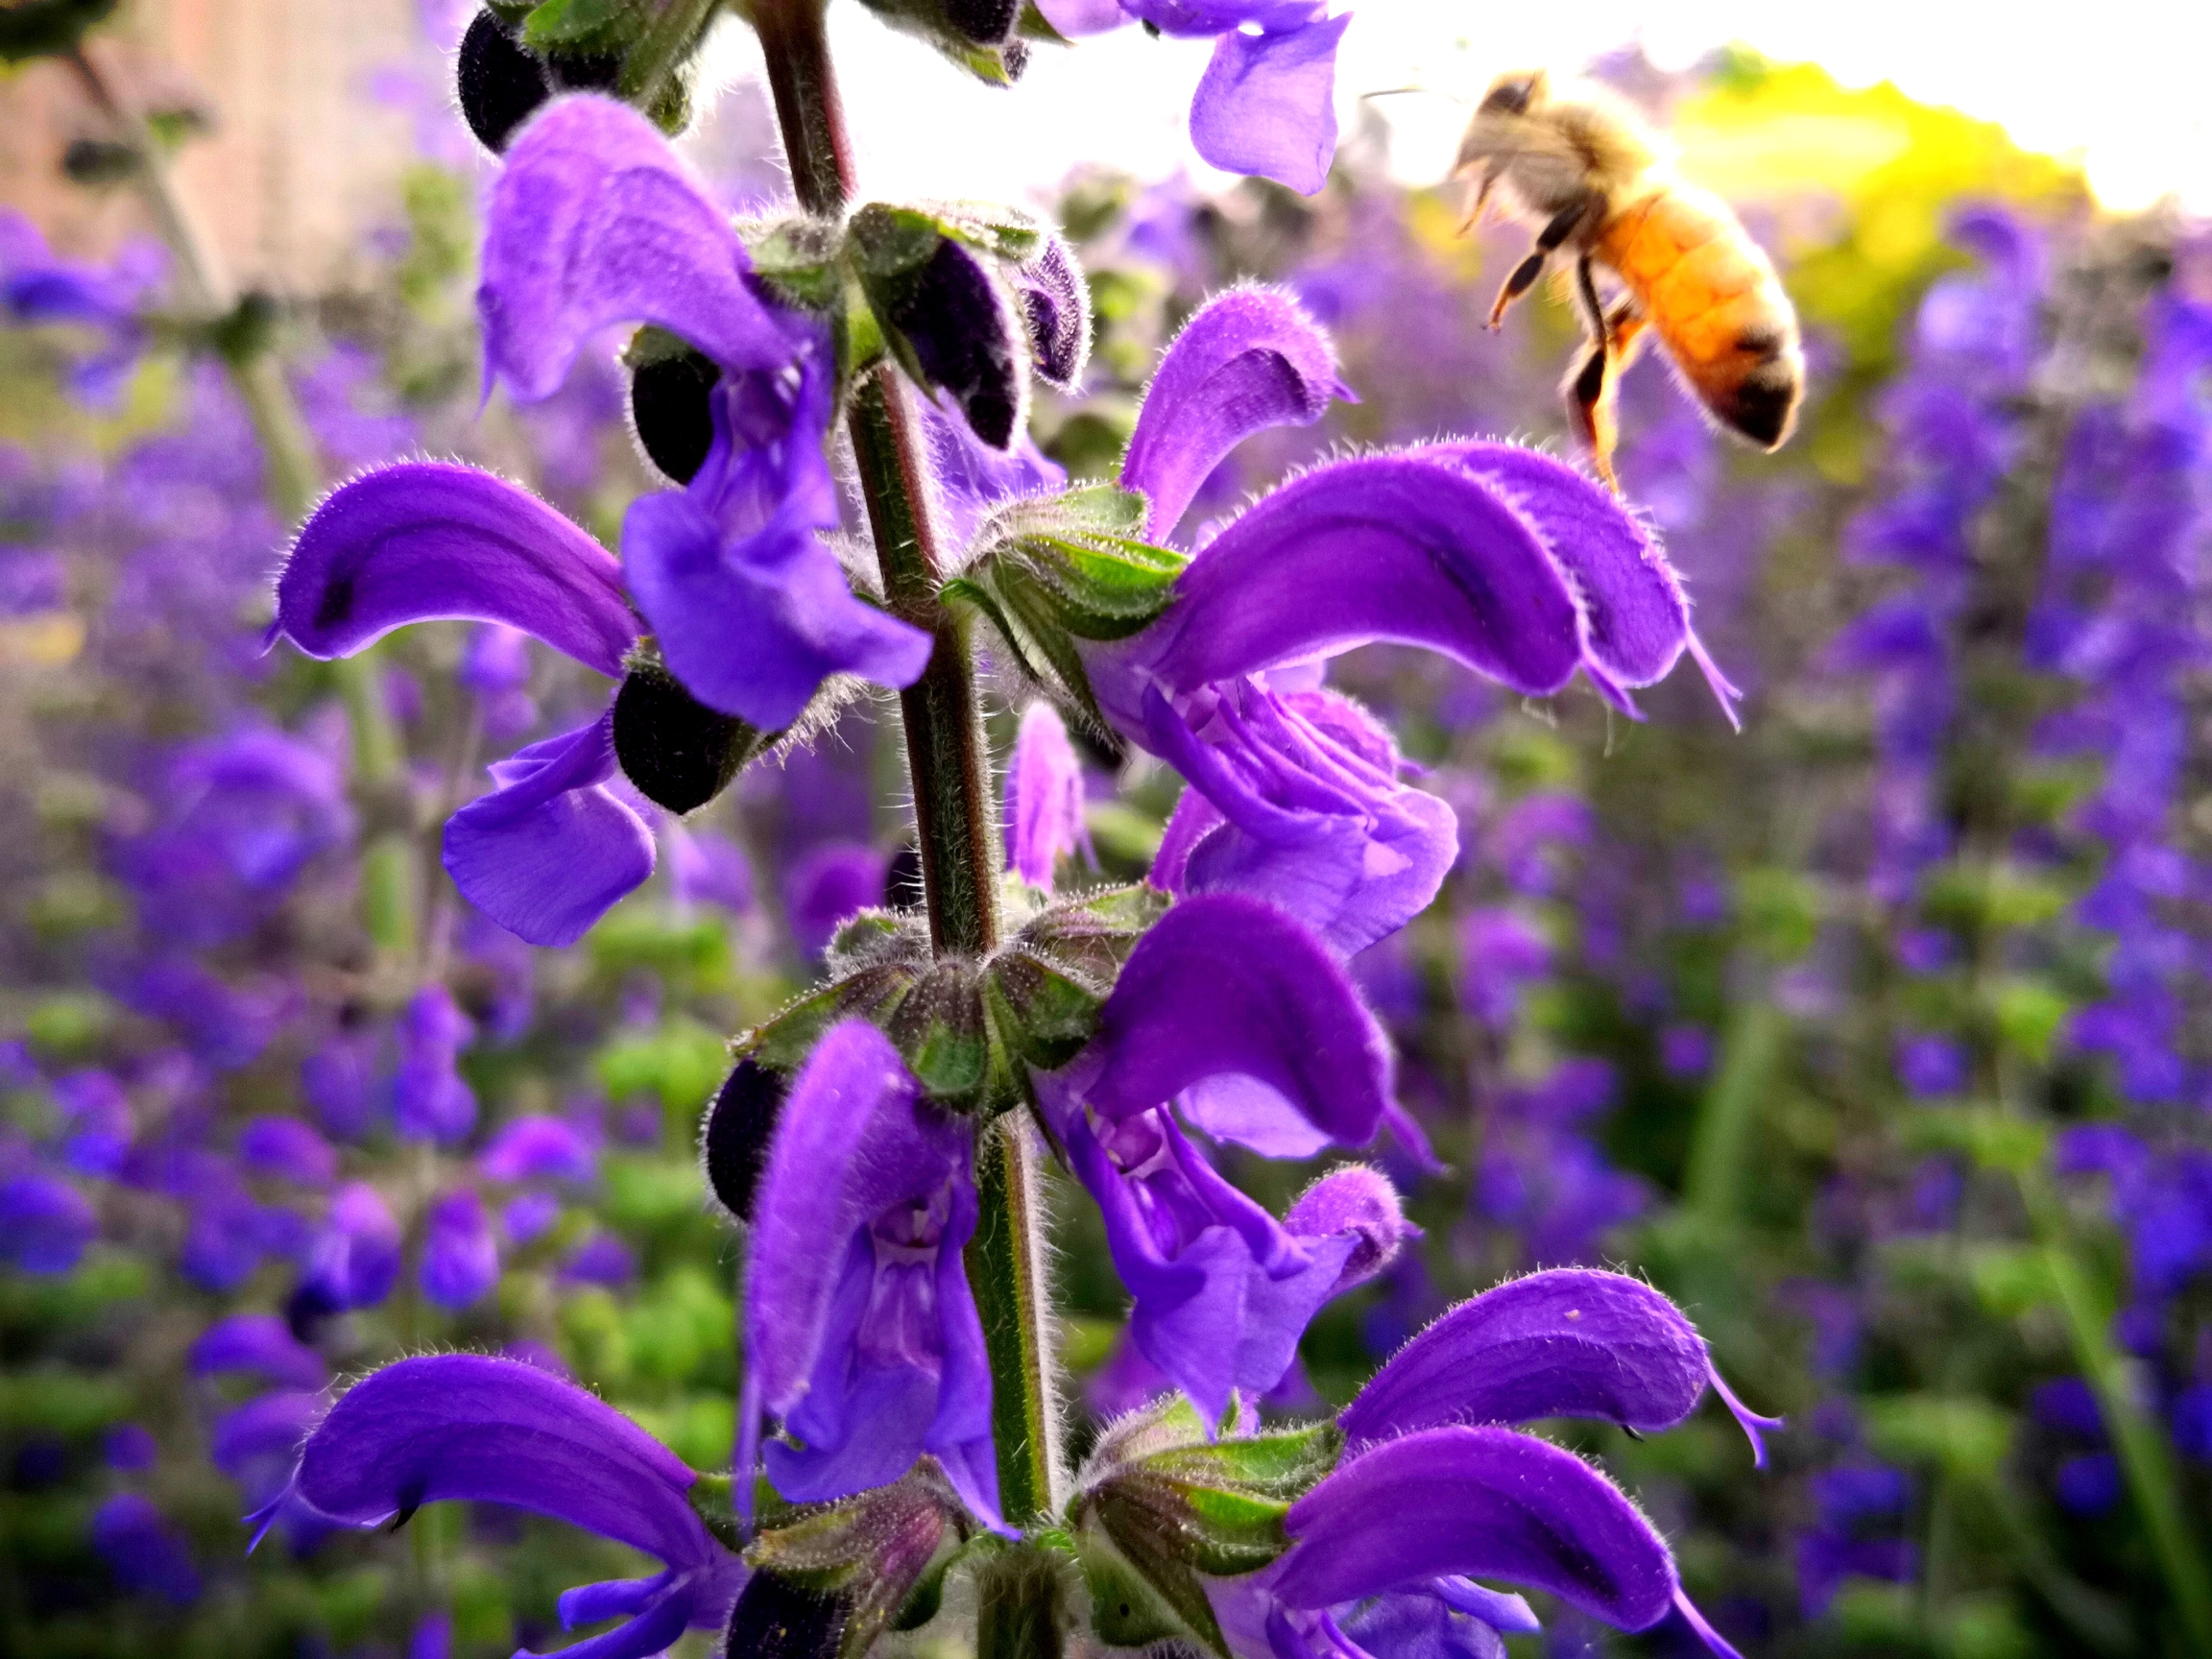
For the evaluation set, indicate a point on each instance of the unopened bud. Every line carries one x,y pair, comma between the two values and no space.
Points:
733,1144
1056,306
678,752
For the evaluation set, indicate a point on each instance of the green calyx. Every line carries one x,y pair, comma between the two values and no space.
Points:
1049,572
882,1555
1159,1509
970,1030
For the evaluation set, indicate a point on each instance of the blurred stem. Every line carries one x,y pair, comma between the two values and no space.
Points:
294,479
956,812
1750,1056
2141,1445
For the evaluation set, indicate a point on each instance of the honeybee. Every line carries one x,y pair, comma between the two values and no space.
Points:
1580,165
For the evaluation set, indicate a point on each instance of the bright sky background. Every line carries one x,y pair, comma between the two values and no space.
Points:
2122,83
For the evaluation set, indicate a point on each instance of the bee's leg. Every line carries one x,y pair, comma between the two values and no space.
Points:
1563,224
1590,387
1625,326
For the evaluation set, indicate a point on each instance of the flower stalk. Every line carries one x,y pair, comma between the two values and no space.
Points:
295,479
956,815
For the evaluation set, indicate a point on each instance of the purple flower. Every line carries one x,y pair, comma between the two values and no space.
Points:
261,1345
1295,798
460,1256
431,1100
356,1257
492,1430
1686,1052
828,885
1233,1011
139,1548
130,1447
45,1225
536,1146
705,868
861,1333
593,222
1422,1499
336,1079
1044,798
602,1260
289,1149
529,1216
37,287
1267,102
1931,1066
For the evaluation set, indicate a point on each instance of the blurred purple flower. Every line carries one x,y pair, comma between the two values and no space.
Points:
431,1100
1044,798
143,1551
460,1256
45,1225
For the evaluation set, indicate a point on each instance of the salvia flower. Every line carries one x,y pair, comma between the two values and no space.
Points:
1044,797
460,1256
593,222
143,1552
431,1100
1231,1013
1267,102
493,1431
1436,1487
862,1332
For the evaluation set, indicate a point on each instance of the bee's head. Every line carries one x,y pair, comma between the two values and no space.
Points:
1513,95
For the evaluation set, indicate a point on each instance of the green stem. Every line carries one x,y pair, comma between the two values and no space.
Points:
956,812
2144,1457
1750,1056
293,478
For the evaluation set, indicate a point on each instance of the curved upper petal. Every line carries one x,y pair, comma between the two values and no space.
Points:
1573,1342
496,1430
1247,360
750,606
549,851
1382,547
1488,1502
1267,104
854,1139
424,540
595,221
1227,985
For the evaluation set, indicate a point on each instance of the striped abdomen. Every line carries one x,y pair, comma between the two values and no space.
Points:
1711,295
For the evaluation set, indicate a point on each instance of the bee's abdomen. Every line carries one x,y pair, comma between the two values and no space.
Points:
1713,299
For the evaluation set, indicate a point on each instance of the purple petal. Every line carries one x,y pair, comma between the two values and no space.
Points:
1307,811
1247,360
549,851
1226,985
1570,1343
1385,547
538,1145
1635,620
861,1329
460,1257
972,477
1044,797
1488,1503
142,1551
750,606
423,541
1358,1203
1222,1291
45,1225
289,1148
261,1345
594,221
431,1101
1077,18
492,1430
1267,104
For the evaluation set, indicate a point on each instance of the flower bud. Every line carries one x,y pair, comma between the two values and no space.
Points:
501,82
733,1144
946,316
671,388
980,35
1056,306
678,752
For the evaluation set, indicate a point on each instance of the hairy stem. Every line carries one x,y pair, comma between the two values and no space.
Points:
955,813
293,478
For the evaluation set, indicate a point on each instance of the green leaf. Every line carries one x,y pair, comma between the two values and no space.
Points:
1964,1436
570,24
2028,1014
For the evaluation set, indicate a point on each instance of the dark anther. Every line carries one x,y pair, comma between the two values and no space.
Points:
500,83
734,1146
775,1619
670,405
903,888
677,751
